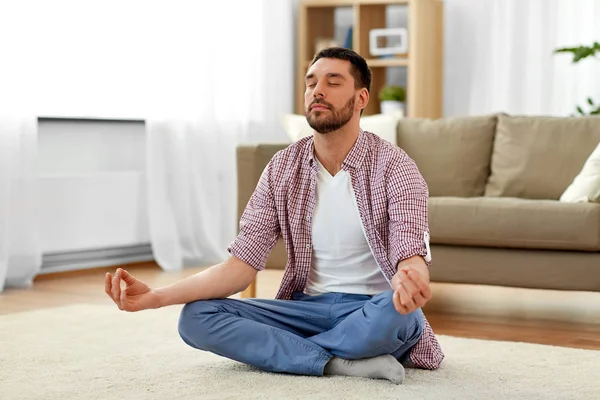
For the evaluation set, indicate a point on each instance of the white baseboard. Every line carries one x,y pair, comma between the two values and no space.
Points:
76,260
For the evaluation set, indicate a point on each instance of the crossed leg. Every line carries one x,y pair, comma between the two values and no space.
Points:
305,334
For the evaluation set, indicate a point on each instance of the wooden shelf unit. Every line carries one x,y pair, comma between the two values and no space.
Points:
424,61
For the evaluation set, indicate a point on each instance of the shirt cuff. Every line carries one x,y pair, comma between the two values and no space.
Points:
252,254
423,250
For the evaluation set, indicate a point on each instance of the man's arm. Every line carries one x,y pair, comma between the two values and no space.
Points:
408,198
219,281
259,231
416,263
409,236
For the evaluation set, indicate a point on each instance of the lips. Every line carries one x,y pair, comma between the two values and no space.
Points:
319,107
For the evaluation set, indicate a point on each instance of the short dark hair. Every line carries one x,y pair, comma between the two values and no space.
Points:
359,69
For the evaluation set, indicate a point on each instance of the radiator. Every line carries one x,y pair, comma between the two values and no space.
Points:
114,256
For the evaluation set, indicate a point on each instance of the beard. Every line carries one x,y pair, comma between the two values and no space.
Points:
332,119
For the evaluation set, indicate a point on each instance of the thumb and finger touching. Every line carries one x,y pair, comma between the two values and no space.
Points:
398,303
127,277
410,291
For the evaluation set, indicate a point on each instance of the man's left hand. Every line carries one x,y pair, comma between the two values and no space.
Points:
411,288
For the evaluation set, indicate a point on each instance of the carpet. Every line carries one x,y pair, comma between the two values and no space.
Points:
99,352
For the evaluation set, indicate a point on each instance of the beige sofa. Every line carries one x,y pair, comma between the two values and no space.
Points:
495,185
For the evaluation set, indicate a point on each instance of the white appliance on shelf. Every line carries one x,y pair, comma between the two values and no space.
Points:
388,41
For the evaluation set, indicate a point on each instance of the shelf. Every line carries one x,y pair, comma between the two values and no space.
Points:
387,62
421,71
379,62
347,3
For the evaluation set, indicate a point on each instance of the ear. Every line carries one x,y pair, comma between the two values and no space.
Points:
363,99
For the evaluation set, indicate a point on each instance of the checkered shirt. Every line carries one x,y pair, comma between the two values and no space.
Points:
392,201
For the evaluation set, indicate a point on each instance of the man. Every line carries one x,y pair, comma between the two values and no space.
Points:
352,210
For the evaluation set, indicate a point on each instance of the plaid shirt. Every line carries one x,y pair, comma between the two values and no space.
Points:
392,201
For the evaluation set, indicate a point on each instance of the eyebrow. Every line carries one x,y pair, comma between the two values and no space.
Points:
329,75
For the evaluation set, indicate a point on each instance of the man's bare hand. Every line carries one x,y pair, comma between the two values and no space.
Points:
135,296
411,289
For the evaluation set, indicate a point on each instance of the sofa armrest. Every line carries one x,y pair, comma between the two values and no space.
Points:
251,161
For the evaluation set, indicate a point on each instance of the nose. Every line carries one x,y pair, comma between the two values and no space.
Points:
318,92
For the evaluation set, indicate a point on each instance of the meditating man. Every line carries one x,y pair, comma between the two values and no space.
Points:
352,211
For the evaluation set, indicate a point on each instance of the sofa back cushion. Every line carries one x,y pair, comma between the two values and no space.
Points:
452,153
538,157
515,223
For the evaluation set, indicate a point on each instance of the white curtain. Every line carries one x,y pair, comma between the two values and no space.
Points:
236,81
20,253
499,56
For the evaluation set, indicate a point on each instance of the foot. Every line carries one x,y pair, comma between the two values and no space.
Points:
380,367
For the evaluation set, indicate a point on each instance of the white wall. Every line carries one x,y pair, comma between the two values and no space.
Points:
92,184
499,56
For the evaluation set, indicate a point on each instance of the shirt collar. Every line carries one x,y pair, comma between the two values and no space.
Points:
353,159
357,152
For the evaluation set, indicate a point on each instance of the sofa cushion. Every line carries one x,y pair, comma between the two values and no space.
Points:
538,157
452,153
296,126
515,223
586,186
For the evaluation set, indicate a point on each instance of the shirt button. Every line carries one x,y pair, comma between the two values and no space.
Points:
308,218
308,246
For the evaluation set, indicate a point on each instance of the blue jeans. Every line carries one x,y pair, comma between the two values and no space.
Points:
300,335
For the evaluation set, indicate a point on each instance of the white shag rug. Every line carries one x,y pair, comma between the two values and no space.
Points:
99,352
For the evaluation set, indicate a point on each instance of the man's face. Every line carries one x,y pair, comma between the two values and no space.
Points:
330,96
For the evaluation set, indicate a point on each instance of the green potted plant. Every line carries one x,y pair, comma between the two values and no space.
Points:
392,100
580,53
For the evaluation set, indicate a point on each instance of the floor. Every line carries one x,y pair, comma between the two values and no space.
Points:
447,315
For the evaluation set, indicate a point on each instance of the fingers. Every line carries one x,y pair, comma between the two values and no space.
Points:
108,287
415,284
123,298
108,284
420,283
112,286
408,284
406,299
116,288
398,304
127,277
411,291
418,301
396,280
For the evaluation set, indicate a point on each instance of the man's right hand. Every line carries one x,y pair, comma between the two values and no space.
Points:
135,296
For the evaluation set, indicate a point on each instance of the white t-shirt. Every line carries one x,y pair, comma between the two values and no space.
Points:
342,260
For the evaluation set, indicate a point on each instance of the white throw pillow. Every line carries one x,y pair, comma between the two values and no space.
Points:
296,127
586,186
382,125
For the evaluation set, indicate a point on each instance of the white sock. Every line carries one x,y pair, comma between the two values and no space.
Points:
381,367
